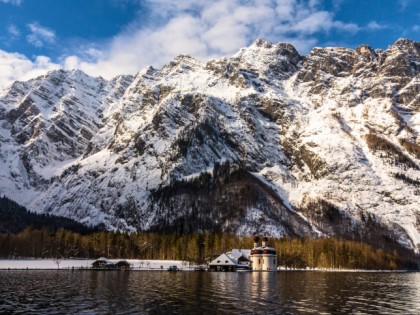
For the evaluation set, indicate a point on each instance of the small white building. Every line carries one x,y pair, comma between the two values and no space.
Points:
236,259
263,257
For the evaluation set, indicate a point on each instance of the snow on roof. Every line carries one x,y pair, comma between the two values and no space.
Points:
224,260
103,259
231,257
236,253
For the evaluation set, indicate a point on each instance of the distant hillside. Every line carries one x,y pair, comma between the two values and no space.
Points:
14,218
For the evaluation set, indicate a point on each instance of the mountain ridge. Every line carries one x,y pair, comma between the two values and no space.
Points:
338,126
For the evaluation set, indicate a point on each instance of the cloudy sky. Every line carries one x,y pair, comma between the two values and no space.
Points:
111,37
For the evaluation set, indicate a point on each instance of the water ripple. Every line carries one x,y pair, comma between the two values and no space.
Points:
160,292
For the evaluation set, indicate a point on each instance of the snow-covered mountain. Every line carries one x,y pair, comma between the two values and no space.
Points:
264,141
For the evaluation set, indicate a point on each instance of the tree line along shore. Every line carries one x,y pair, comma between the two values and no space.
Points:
24,234
198,248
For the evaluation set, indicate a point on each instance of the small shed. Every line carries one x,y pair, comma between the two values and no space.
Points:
173,268
243,261
123,265
103,263
241,256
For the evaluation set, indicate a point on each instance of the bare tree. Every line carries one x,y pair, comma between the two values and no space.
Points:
57,260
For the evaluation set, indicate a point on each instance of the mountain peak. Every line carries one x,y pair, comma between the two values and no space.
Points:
404,42
365,49
406,46
186,59
317,145
262,43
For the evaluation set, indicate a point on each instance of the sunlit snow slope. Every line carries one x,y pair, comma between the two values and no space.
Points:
265,141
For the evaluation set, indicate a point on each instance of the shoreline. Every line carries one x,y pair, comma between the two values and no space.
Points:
191,269
33,264
84,264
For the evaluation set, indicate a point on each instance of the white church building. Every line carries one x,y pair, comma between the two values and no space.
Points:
260,258
263,257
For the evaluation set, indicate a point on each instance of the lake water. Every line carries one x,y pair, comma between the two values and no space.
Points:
162,292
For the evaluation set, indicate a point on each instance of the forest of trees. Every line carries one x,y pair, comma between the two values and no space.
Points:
198,248
28,235
390,152
15,218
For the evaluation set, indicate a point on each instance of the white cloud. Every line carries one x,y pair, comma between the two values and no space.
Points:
39,35
206,29
14,2
201,28
374,26
13,31
14,66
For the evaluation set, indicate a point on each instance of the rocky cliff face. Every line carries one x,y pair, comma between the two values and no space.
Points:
264,141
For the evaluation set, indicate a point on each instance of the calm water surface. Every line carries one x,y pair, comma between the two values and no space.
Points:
154,292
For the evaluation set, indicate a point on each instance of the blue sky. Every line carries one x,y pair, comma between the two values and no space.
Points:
111,37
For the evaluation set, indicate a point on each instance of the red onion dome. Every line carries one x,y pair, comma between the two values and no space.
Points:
269,251
256,251
265,239
256,239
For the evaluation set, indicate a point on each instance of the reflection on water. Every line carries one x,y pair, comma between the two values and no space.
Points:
110,292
